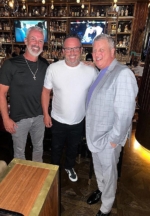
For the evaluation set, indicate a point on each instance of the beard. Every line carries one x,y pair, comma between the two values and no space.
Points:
34,53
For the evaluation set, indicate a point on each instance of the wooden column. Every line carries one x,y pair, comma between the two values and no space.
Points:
143,126
141,14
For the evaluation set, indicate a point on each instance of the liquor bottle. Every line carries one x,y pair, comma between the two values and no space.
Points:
30,14
119,28
57,26
60,12
130,10
62,26
86,12
54,26
51,13
50,26
102,12
55,12
2,12
4,26
25,13
13,39
72,12
65,12
82,13
126,11
97,13
78,12
3,37
126,28
8,39
6,13
92,12
75,11
7,27
122,11
65,27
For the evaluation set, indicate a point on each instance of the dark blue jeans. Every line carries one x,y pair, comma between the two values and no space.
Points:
65,135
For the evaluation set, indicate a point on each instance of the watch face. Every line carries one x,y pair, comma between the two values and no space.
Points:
4,212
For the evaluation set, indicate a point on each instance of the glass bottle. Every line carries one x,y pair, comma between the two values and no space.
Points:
50,26
72,12
57,26
30,14
126,11
92,12
130,10
0,26
119,28
51,13
75,10
65,12
102,12
82,13
97,13
78,12
122,11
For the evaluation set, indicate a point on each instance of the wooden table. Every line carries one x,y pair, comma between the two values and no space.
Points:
30,188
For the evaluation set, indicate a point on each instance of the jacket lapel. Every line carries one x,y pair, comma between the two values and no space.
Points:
108,72
104,78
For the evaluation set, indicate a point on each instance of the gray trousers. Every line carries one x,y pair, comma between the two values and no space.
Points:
105,168
34,126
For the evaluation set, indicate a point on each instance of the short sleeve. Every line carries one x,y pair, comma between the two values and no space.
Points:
6,73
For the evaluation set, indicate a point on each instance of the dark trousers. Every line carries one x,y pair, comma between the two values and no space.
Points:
65,135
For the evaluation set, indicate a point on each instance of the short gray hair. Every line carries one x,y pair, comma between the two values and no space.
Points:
37,28
106,37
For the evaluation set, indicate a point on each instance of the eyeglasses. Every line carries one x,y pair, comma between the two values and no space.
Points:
75,49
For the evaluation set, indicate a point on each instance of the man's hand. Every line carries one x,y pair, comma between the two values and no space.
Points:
47,121
113,145
10,125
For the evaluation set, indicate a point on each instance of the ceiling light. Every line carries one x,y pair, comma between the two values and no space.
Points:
78,1
82,6
24,6
115,5
52,6
43,1
10,5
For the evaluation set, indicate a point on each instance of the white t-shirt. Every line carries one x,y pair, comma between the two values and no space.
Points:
70,86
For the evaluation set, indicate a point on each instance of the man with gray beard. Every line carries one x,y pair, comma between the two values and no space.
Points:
23,77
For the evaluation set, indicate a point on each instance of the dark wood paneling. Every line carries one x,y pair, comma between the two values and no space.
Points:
143,126
141,14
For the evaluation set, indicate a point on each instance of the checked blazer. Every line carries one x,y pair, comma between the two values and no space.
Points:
111,108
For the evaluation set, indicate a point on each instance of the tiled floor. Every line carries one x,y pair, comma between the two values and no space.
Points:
133,193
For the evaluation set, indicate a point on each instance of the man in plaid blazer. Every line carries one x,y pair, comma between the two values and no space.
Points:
110,109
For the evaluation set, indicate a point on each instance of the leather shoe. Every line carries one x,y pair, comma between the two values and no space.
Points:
94,198
99,213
